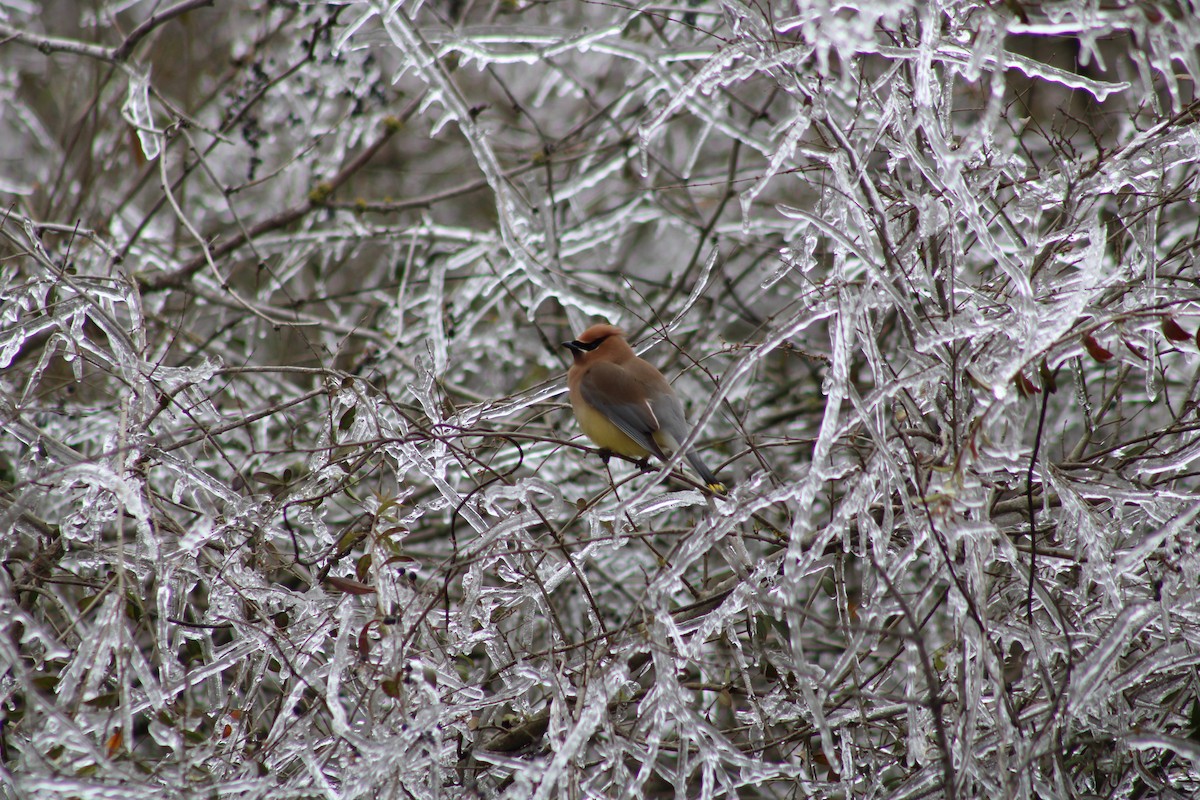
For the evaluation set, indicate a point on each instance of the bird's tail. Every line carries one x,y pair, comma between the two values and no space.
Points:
705,473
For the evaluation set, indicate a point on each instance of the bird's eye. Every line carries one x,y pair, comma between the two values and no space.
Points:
589,346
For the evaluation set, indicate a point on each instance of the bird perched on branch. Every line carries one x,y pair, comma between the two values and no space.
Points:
624,404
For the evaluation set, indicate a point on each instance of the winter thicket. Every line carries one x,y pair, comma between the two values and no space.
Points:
292,506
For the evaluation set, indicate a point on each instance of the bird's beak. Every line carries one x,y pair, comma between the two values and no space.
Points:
574,347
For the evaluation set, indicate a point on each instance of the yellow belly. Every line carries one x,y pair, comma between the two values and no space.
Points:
606,435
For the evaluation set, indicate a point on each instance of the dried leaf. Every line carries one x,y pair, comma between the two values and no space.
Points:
1025,386
1172,330
349,586
1095,349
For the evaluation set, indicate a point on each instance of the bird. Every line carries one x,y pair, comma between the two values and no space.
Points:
624,404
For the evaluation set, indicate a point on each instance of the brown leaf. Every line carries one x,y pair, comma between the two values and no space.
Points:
1049,377
349,586
1025,386
1173,331
530,732
1095,349
135,147
364,640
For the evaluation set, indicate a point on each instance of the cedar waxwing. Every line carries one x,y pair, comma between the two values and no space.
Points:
623,403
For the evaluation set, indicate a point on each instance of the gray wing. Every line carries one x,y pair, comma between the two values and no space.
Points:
669,411
622,400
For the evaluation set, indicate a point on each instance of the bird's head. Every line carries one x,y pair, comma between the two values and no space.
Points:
600,342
